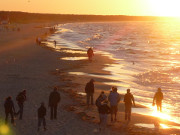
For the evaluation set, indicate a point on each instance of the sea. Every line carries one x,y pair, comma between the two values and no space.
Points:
146,54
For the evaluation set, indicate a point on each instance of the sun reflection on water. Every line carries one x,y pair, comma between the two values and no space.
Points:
161,115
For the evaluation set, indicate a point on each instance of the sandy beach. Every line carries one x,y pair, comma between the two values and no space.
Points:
25,65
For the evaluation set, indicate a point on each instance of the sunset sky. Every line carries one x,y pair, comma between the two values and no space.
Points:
98,7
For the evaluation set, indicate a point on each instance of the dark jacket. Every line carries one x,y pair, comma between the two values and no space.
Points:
104,109
89,87
9,106
128,99
21,97
41,112
54,98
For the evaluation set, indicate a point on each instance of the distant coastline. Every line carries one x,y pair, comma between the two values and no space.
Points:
25,17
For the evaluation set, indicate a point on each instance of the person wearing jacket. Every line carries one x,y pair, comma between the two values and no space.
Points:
41,116
9,109
104,110
89,90
54,99
21,98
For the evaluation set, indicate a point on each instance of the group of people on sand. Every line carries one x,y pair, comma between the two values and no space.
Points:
10,109
114,98
54,99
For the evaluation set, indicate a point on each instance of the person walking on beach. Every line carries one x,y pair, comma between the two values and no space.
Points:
104,110
89,90
41,116
114,99
21,98
158,97
90,53
54,99
128,99
9,109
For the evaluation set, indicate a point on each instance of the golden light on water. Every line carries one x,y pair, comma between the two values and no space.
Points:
161,115
164,126
4,129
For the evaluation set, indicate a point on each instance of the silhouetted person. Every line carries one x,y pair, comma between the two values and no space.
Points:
104,110
90,53
101,98
21,98
128,99
41,116
114,99
158,97
55,43
54,99
9,109
89,89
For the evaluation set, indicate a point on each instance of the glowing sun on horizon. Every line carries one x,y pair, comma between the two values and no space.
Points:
165,7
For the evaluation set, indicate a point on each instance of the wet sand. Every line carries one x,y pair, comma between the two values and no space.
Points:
79,75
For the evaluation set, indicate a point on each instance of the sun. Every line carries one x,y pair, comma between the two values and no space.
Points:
165,7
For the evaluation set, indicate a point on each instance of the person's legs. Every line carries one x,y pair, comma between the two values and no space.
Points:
129,113
39,122
92,102
112,113
115,112
126,115
44,123
104,121
20,111
55,112
12,117
101,121
51,112
88,97
160,107
6,119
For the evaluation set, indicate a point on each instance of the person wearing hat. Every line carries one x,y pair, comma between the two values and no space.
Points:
158,97
128,99
21,98
41,116
89,90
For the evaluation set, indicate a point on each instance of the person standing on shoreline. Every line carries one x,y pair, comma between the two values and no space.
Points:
158,97
89,90
21,98
9,109
128,99
114,99
54,99
90,53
